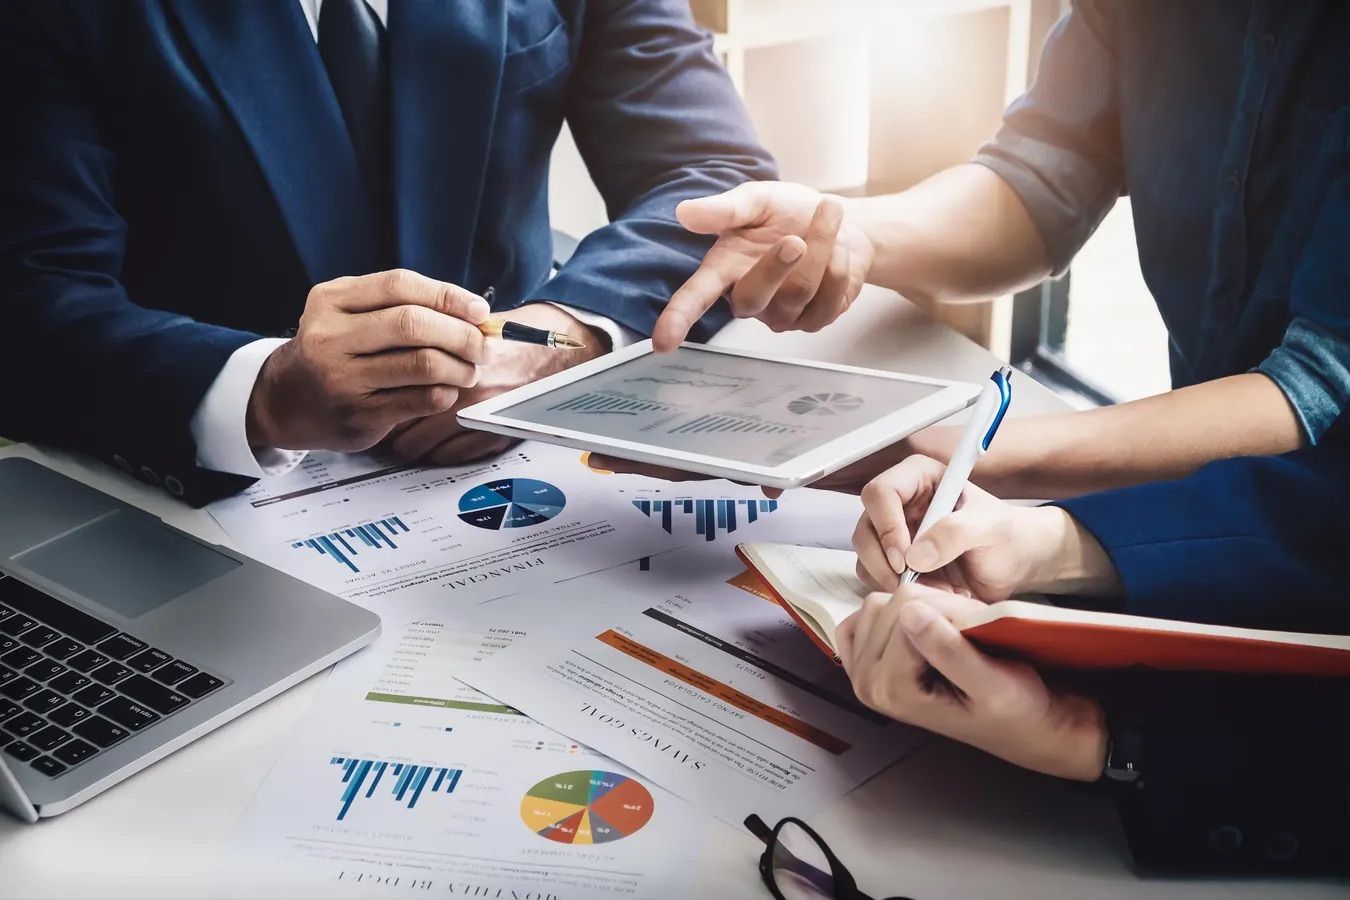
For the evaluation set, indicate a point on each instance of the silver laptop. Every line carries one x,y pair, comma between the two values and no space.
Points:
122,639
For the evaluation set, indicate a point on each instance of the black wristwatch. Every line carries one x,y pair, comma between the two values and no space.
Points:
1124,758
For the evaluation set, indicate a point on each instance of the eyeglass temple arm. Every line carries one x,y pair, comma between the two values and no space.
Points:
757,827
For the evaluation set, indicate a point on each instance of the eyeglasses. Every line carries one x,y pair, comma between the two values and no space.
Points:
798,865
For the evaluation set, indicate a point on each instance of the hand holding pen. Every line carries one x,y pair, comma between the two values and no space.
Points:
918,495
990,409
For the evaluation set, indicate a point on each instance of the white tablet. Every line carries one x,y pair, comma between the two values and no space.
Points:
726,413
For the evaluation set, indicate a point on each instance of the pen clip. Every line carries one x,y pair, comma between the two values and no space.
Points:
1002,379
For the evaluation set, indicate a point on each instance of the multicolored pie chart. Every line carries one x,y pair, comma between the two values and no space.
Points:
586,807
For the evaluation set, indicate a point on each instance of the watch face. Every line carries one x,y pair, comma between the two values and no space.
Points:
1123,750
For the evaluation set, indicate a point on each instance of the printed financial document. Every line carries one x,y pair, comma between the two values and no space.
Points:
404,540
694,678
402,781
403,778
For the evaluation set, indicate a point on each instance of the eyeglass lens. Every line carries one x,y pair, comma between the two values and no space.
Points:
801,870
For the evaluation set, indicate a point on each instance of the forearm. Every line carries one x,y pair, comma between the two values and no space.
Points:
1167,436
657,121
1256,542
1071,560
627,270
962,234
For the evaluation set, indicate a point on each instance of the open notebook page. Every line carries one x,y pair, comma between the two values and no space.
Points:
821,583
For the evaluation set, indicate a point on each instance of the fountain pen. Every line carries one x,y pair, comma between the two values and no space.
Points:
526,334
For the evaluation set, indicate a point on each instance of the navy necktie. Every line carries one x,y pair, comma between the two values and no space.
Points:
352,45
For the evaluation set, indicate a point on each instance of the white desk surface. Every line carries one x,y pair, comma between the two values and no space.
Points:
947,822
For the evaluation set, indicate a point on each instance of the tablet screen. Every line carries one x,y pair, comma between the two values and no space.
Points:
756,411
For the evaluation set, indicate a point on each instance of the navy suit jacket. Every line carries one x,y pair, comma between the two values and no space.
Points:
1238,772
176,175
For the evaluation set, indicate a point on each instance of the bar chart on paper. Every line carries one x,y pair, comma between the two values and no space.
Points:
406,785
344,545
712,517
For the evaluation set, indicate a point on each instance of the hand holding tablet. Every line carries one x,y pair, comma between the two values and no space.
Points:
724,413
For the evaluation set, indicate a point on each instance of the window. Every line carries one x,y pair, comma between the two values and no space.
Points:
1095,334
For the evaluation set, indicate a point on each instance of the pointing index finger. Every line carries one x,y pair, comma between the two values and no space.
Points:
687,305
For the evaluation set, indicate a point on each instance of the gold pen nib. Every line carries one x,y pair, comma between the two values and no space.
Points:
566,342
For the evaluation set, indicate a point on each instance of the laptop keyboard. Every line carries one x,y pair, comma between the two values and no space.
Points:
71,685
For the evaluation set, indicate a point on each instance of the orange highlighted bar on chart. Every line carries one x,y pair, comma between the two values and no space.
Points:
724,692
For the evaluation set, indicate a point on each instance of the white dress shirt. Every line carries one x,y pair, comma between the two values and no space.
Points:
219,424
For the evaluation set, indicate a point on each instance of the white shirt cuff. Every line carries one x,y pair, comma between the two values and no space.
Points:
220,424
619,336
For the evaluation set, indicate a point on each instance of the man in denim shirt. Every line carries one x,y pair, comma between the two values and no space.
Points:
1228,125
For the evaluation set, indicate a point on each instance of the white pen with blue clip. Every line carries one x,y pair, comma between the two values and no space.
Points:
975,440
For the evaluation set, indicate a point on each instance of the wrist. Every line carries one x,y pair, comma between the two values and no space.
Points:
528,362
1069,740
857,230
1084,737
1055,562
889,241
1073,561
260,420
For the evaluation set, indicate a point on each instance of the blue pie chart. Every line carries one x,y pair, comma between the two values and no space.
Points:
511,503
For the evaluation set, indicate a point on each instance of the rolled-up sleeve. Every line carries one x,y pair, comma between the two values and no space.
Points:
1312,364
1059,147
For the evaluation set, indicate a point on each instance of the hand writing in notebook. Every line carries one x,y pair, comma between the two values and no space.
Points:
1002,707
987,548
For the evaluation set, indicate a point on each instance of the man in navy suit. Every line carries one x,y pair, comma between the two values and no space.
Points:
234,232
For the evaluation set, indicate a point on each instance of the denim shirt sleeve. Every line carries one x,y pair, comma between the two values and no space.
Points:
1312,367
1059,146
1312,364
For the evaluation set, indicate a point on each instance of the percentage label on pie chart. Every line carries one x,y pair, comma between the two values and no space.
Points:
828,404
511,503
586,807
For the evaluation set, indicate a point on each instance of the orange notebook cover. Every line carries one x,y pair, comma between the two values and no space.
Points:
819,588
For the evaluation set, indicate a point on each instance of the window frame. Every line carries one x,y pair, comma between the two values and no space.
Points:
1040,318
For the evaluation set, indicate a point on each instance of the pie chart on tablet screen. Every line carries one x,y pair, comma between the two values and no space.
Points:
831,403
586,807
511,503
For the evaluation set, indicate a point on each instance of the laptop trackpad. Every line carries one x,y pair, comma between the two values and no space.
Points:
128,562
